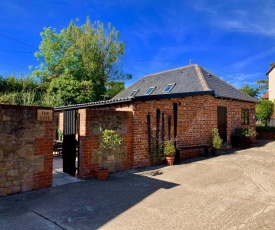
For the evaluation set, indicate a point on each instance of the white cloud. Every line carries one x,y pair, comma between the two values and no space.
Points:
238,80
257,18
251,58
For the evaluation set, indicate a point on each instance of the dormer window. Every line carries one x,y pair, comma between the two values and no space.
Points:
150,90
134,93
168,88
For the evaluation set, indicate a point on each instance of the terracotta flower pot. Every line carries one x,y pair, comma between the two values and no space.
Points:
102,174
170,160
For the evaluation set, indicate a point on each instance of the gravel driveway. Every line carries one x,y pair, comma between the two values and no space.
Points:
231,191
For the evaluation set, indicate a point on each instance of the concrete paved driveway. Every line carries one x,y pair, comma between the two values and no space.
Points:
231,191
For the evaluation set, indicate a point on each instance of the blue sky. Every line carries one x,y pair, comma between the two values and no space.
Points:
231,38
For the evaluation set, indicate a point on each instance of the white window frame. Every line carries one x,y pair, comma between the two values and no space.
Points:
134,93
169,85
150,90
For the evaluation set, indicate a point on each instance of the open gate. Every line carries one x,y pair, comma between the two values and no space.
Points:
70,143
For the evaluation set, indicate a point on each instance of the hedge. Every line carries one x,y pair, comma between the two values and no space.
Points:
265,129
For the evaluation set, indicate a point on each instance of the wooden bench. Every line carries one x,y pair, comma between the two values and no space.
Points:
205,147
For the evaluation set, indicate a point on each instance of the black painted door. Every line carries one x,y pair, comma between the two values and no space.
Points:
222,122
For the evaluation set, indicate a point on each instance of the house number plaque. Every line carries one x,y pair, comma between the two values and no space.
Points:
44,115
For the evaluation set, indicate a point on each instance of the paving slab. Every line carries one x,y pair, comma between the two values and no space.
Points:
58,176
29,220
235,190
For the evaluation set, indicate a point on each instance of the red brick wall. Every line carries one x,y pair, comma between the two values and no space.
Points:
44,147
266,135
197,116
90,122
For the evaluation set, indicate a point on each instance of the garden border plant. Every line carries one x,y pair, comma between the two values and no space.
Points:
241,137
110,141
169,152
215,141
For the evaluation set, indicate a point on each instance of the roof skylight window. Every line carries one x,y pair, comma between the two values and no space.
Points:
150,90
168,88
134,93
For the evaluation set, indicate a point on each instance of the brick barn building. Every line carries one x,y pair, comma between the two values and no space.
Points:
182,104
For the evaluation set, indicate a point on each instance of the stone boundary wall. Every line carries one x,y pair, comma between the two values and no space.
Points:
91,120
26,157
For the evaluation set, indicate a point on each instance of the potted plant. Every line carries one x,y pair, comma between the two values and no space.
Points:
110,141
241,137
215,141
169,152
236,137
246,137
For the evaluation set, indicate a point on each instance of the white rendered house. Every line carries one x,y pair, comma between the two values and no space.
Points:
271,82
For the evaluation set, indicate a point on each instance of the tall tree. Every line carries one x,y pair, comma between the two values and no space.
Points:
77,62
264,110
113,88
263,84
253,92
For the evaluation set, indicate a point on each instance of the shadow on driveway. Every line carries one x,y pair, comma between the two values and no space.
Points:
81,205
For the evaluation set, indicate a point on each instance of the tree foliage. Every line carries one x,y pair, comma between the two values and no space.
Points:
21,90
77,62
264,110
113,88
253,92
263,84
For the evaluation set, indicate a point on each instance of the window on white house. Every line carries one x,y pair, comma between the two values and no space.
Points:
150,90
168,88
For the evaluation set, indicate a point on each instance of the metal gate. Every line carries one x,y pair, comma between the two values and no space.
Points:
70,144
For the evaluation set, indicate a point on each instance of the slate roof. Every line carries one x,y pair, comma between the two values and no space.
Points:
266,95
188,80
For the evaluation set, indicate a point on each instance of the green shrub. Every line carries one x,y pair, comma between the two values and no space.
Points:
215,140
265,129
111,141
245,132
169,149
264,110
